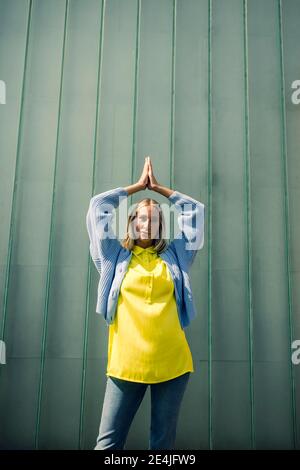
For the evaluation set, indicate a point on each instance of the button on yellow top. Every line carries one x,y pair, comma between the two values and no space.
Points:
146,342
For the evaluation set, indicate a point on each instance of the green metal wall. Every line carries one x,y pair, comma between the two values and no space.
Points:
204,87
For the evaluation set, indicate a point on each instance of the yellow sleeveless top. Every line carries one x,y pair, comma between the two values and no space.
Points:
146,342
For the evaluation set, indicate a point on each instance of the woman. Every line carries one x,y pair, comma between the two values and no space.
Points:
145,297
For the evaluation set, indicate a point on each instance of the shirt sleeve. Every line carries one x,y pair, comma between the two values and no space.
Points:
99,220
190,238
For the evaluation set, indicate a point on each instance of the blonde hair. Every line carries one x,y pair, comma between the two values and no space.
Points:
159,244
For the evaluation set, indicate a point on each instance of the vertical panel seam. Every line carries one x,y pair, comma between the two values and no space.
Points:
173,84
135,97
16,175
50,247
248,222
286,214
88,286
210,217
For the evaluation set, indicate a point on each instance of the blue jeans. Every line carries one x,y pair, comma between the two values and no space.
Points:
121,401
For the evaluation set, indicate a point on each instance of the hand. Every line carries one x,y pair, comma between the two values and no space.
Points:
152,184
144,179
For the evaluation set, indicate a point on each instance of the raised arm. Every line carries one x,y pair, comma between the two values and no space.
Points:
190,238
99,218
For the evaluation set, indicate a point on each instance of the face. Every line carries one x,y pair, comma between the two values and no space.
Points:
147,223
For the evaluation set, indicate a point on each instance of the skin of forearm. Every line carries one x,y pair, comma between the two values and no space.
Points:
163,190
133,188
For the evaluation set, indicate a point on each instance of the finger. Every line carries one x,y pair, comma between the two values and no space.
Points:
146,165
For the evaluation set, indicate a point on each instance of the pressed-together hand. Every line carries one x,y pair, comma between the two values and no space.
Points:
152,183
148,180
143,181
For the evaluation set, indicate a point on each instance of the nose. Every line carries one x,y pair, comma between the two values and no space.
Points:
146,227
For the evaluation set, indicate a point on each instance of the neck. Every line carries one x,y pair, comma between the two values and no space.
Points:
144,243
